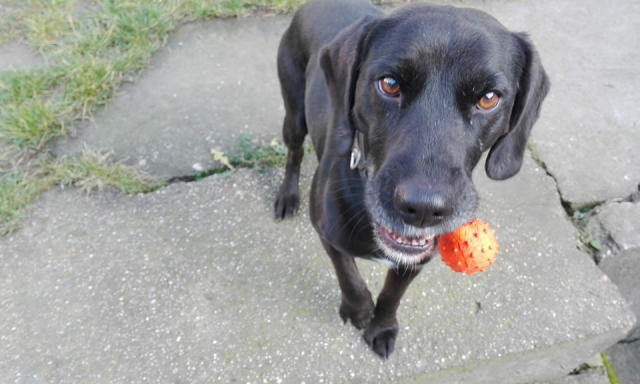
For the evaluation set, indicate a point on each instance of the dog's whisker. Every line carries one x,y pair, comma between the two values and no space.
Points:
356,225
343,214
364,209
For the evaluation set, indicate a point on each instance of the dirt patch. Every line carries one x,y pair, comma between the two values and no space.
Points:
17,55
85,6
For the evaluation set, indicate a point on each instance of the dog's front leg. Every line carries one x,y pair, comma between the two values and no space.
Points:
382,330
357,303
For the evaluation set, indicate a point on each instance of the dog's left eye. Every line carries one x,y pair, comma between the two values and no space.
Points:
389,86
489,101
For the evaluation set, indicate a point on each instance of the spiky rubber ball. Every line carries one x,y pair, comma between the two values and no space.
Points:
470,248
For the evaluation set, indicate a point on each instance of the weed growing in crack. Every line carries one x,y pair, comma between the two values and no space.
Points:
258,154
250,153
587,242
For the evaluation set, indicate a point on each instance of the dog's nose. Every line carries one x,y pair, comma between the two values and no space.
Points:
421,206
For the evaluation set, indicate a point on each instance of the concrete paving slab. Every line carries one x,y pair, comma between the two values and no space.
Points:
624,358
197,283
211,83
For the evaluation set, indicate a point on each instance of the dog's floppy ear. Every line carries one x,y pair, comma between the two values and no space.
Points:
506,156
340,63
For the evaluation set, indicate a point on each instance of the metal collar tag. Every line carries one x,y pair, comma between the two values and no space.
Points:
356,154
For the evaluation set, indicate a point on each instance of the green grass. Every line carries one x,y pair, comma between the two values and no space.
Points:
31,124
612,376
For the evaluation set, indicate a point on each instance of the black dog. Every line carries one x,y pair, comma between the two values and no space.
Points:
400,109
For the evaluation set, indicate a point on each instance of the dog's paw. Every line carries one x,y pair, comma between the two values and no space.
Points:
381,338
287,202
359,314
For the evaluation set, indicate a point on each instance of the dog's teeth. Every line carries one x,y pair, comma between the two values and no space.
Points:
413,241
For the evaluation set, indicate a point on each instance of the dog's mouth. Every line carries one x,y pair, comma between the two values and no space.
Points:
403,249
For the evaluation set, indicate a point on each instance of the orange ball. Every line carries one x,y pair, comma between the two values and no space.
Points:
470,248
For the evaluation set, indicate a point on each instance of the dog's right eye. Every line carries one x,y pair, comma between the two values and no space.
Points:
389,86
489,101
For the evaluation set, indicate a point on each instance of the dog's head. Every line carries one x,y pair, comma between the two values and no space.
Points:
431,88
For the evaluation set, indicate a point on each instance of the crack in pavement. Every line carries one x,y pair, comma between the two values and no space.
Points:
579,215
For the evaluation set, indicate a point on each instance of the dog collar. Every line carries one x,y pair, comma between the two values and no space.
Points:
358,155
